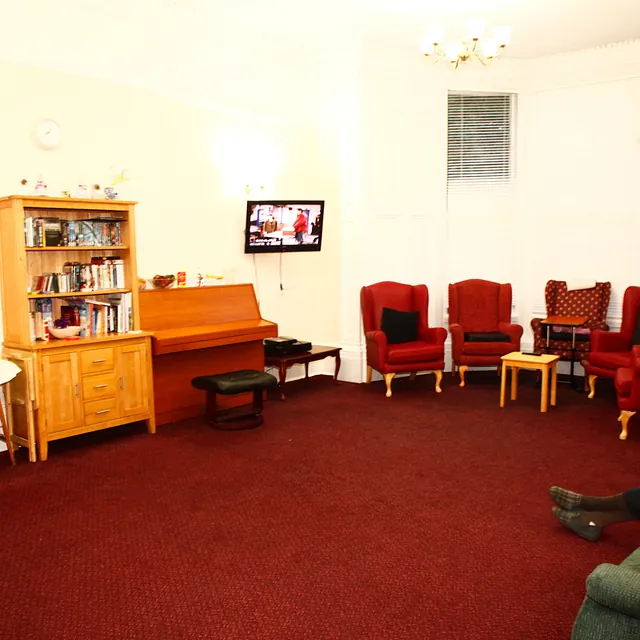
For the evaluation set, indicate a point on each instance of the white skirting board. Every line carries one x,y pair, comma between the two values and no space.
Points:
353,366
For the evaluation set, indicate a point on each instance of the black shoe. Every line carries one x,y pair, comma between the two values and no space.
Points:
571,520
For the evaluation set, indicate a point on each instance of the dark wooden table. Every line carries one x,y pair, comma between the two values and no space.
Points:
316,353
572,322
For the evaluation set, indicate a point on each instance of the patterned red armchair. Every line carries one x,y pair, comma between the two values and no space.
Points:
390,353
480,324
611,350
559,301
627,382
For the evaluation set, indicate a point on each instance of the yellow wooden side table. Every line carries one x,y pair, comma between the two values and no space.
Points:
544,363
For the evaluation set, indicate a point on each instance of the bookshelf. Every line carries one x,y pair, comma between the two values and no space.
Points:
73,259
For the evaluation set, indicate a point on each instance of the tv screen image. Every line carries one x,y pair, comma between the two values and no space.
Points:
275,226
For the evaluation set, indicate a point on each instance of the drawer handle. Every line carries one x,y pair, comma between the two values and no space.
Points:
102,411
100,386
99,361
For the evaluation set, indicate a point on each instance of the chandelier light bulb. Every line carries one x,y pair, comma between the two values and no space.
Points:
475,29
489,48
427,47
452,51
435,35
502,35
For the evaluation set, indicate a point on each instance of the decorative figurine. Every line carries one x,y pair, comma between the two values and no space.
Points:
97,192
23,189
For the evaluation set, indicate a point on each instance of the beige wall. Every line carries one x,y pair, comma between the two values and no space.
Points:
189,167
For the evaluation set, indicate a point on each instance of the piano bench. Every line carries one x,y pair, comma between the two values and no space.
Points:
232,383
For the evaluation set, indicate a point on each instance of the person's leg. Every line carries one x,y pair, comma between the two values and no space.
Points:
588,515
571,501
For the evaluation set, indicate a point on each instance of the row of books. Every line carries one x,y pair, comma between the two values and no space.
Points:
101,273
95,317
55,232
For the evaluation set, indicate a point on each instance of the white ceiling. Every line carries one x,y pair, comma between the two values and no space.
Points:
186,42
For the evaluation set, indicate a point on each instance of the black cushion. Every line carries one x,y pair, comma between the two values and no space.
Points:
635,338
235,382
486,336
399,326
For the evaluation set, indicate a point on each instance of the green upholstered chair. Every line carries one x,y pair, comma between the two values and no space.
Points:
611,608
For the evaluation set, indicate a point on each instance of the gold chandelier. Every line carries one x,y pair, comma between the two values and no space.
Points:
474,46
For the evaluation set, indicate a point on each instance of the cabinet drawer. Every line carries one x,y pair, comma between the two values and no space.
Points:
96,360
100,386
100,411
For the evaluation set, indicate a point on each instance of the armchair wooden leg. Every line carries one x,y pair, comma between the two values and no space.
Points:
388,377
592,386
412,375
463,368
369,374
438,375
623,419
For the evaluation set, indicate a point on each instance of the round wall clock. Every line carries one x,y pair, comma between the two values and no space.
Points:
48,134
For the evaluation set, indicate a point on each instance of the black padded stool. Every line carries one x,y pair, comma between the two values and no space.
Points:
229,384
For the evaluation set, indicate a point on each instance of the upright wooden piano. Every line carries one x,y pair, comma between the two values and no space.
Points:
201,331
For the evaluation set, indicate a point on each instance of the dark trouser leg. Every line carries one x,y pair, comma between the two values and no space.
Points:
632,501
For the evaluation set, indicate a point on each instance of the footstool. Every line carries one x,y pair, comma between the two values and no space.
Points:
232,383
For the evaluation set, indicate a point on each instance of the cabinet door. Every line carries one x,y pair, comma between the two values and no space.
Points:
61,392
133,382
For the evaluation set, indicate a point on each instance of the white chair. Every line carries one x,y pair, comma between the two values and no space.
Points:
8,371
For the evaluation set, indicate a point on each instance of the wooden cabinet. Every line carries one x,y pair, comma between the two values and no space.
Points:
101,379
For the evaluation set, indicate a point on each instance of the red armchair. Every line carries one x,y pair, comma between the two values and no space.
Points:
559,301
480,324
627,382
425,353
611,350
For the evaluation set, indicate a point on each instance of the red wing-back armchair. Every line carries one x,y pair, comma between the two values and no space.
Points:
611,350
627,382
480,324
424,352
559,301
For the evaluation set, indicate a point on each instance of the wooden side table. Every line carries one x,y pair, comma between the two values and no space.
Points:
545,363
286,361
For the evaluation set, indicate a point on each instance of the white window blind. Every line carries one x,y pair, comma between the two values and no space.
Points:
480,143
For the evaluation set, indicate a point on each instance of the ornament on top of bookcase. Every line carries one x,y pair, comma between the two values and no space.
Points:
23,189
41,188
97,192
81,191
116,175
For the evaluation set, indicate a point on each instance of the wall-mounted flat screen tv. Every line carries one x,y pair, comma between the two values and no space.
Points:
276,226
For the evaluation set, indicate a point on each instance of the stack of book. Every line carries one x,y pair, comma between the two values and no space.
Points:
96,317
54,232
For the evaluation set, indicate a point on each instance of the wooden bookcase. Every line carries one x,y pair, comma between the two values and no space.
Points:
73,386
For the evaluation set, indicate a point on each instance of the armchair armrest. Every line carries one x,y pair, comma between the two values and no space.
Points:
514,331
376,342
457,339
615,587
432,335
610,341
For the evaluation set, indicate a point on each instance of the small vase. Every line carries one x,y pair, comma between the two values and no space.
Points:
110,193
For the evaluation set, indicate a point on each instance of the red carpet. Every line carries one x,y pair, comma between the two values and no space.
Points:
347,515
